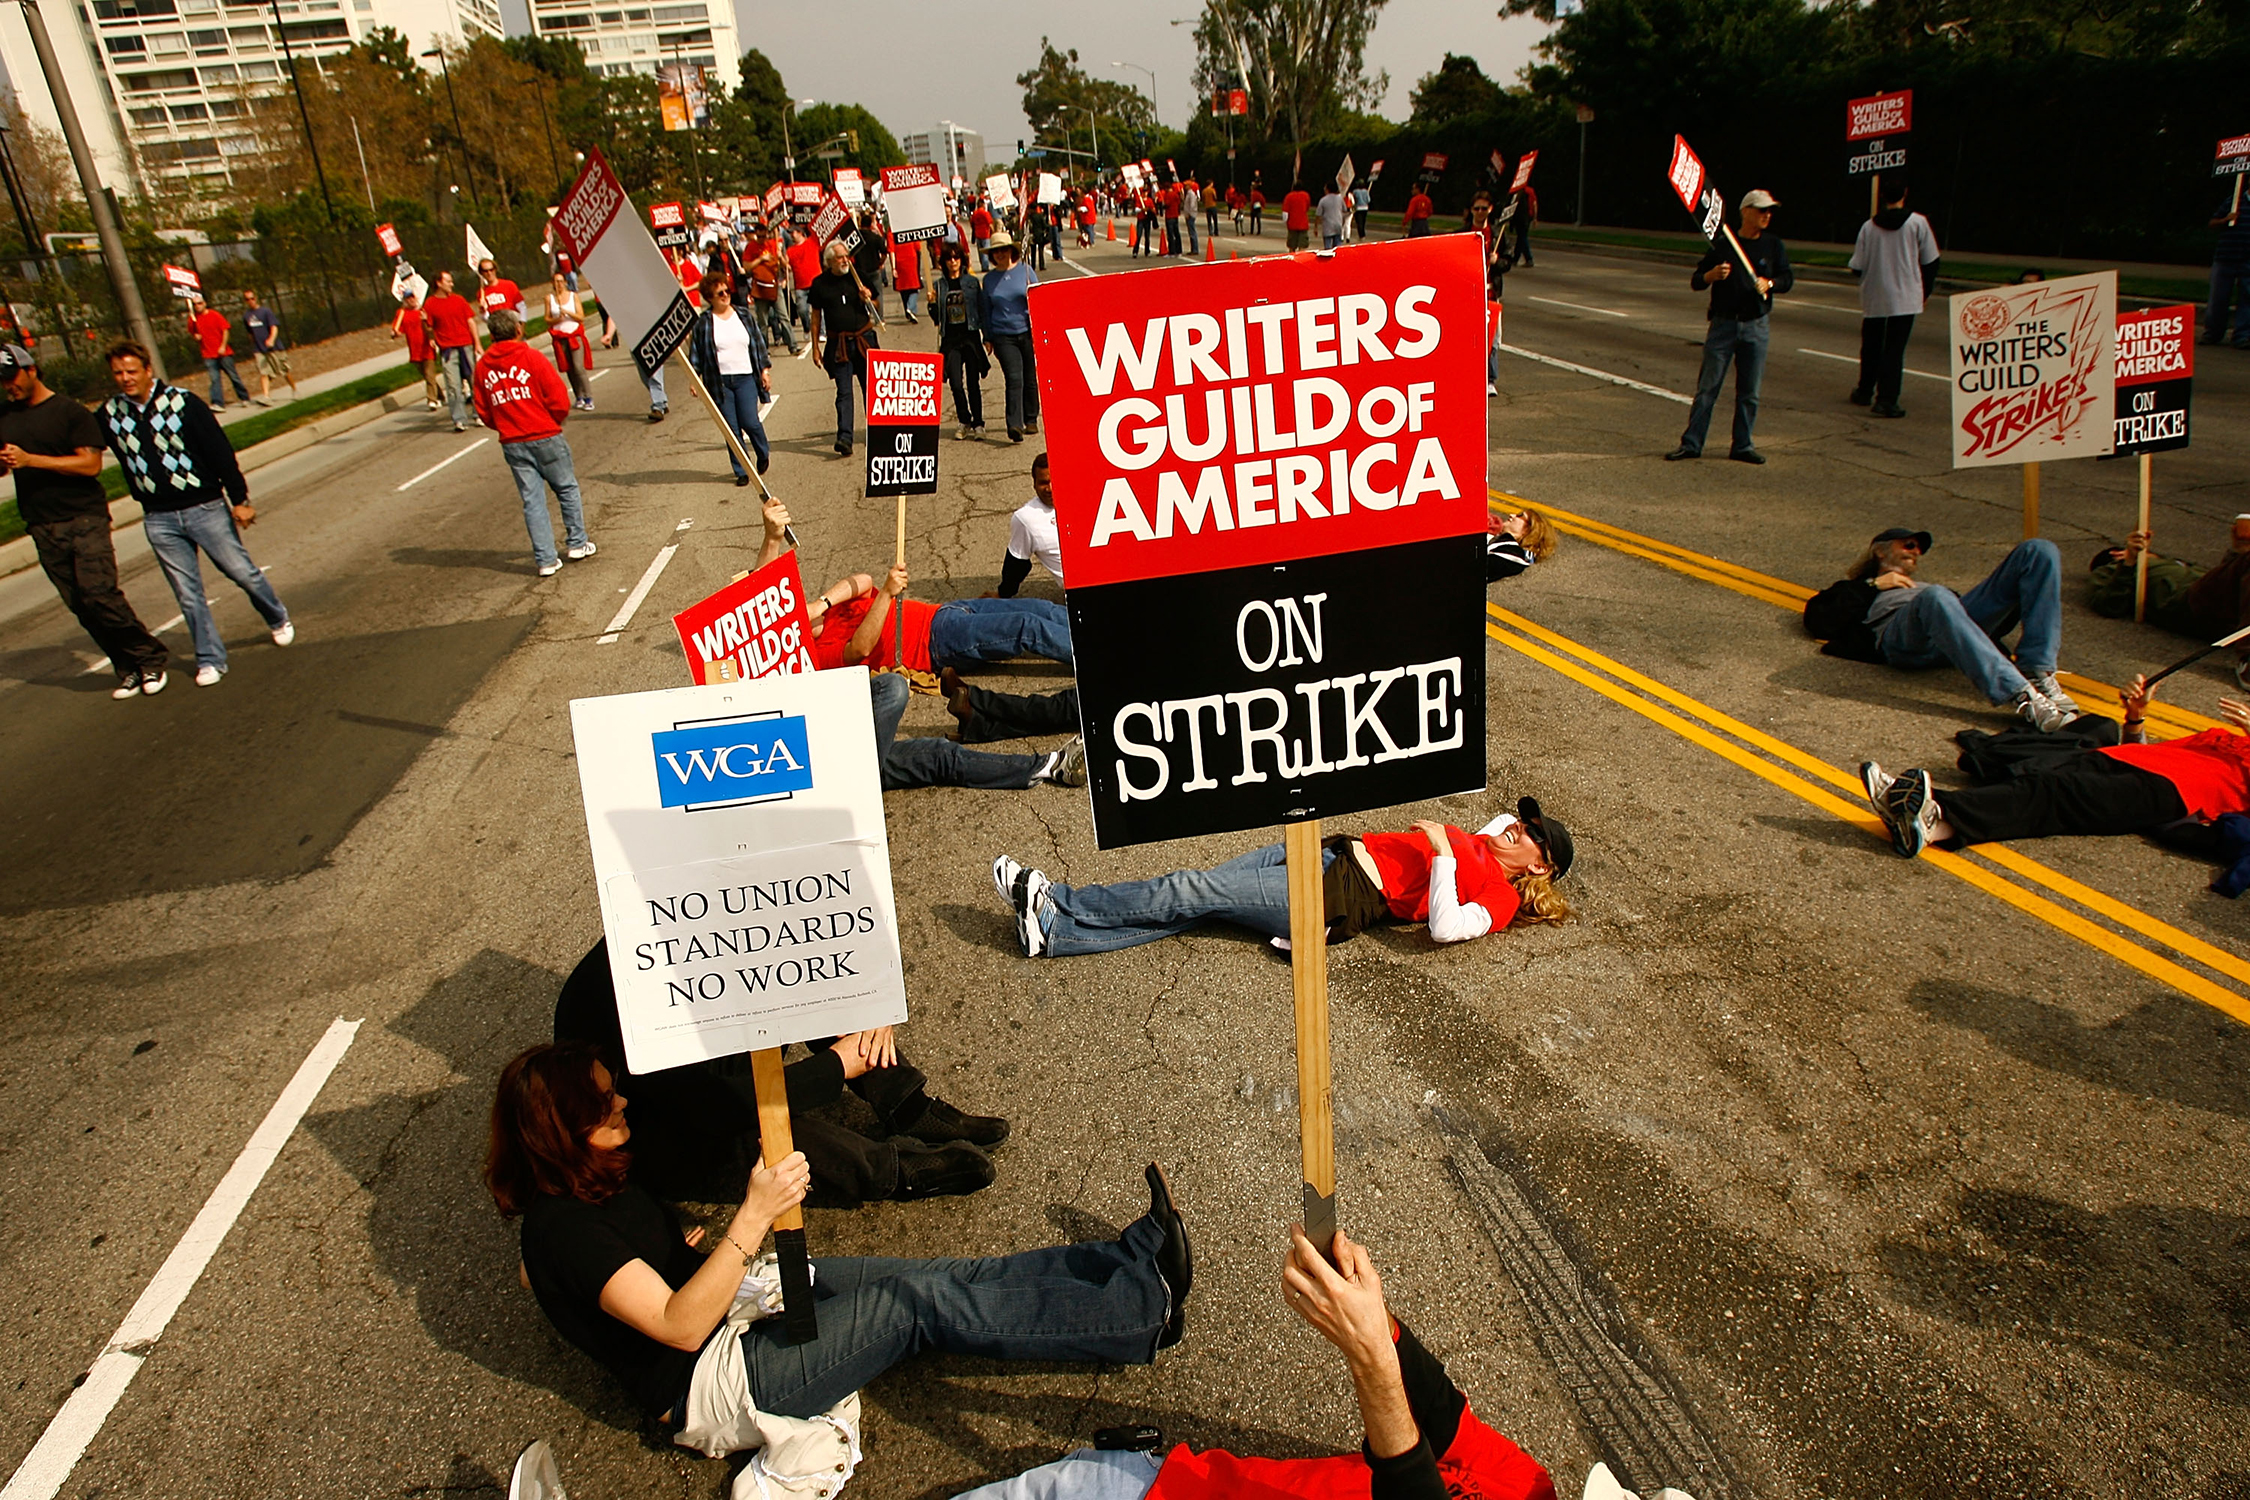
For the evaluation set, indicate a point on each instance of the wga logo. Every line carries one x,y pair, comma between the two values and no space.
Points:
731,762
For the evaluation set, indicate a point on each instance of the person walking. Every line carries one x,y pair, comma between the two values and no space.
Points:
1361,197
1741,300
521,398
1007,333
957,305
53,447
182,469
1335,216
1296,216
728,355
1257,209
1171,203
1896,261
1211,207
1086,214
1527,213
1035,232
803,254
267,347
1418,212
1144,223
498,293
453,322
1191,200
2230,270
843,330
906,275
566,331
215,340
766,273
412,325
980,229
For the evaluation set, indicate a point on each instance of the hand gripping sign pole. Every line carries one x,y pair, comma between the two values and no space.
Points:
1235,670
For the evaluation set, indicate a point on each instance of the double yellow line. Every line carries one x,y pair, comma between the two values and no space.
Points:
1809,778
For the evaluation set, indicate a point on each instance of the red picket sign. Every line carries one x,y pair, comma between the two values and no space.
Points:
388,236
666,215
1523,172
1879,115
754,627
1433,161
1686,173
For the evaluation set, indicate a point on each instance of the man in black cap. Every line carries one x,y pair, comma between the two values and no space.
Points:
53,446
1881,612
1462,884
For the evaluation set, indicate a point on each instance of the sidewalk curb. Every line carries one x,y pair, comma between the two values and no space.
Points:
20,554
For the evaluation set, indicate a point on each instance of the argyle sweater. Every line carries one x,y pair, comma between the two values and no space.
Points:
174,453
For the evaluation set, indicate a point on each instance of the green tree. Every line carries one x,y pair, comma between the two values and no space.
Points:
1067,107
820,124
1303,62
1458,88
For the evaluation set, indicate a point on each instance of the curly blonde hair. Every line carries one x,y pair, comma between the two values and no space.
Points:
1538,534
1540,901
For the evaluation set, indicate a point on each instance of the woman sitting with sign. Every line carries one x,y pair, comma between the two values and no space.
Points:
1463,885
616,1277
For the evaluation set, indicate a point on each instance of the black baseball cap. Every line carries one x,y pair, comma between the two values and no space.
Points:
14,357
1920,539
1549,835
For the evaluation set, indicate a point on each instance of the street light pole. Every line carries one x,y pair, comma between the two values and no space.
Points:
460,136
121,283
1154,108
289,61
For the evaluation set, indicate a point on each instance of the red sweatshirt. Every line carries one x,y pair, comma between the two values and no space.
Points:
519,394
1404,859
2211,769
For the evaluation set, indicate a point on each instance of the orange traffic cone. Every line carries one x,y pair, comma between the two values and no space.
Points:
1234,255
1210,251
1113,229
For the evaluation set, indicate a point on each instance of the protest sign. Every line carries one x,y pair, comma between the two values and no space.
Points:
406,281
754,627
184,282
2032,369
2155,369
776,195
595,224
1374,172
1132,173
1050,188
1433,162
478,251
387,236
850,187
831,216
1238,101
1692,186
806,194
915,199
2233,158
1523,172
1875,131
669,220
710,213
902,422
997,188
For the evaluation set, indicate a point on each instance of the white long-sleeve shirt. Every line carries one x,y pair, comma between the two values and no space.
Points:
1453,920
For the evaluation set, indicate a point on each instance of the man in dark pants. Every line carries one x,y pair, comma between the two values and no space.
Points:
987,716
933,762
843,330
695,1128
54,448
1896,261
2230,270
1741,298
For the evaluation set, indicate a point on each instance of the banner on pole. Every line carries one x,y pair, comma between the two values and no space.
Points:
478,251
184,282
387,236
742,864
2155,379
1434,161
850,186
806,194
776,195
596,224
902,422
683,95
915,199
1346,175
1523,172
2033,371
1875,131
1235,666
2233,158
754,627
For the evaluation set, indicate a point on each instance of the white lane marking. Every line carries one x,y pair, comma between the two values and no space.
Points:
441,463
1850,359
1071,265
768,404
598,374
48,1466
805,348
1629,384
172,624
1580,306
632,604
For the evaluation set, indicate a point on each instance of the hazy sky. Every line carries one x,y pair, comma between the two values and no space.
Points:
914,63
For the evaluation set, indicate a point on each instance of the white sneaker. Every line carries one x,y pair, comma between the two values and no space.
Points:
208,676
286,633
128,686
582,551
1490,389
2052,691
1004,872
2037,710
1877,781
155,682
549,570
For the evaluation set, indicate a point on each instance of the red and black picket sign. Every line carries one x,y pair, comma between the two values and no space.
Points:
902,421
2155,378
1875,132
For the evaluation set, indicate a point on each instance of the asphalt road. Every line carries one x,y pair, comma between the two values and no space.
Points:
1790,1168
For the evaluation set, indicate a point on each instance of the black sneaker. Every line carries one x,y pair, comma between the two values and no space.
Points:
940,1124
1683,451
1860,395
1908,811
128,686
1886,409
950,1171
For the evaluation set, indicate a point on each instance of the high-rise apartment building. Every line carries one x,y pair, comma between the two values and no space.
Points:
953,148
158,84
641,38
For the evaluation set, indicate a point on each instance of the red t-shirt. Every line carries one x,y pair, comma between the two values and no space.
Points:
906,265
1404,861
836,633
1257,198
804,262
980,224
211,332
1296,209
1086,210
412,326
1478,1462
691,280
1418,207
501,296
1172,201
2211,770
449,313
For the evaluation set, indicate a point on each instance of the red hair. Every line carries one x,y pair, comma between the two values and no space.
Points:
547,1106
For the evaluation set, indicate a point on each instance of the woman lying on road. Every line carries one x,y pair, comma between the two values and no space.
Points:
2135,787
616,1277
1515,542
1464,885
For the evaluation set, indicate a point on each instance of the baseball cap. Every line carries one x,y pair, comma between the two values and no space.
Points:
1901,534
15,357
1552,838
1760,198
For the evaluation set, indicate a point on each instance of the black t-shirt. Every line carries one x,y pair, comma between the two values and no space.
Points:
571,1248
836,298
56,428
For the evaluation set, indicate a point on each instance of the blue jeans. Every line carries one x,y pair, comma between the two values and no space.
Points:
967,631
2230,282
1189,219
654,380
913,763
1330,241
1019,367
843,372
910,298
173,535
1102,1300
454,364
223,365
1250,891
1938,626
1087,1474
1742,343
738,402
536,465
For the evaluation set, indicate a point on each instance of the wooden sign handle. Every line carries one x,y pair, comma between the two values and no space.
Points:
2030,500
1308,969
2140,558
799,1324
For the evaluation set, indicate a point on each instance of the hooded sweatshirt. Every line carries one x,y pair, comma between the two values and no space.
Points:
1896,257
519,394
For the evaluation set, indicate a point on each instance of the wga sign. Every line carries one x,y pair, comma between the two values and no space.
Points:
731,762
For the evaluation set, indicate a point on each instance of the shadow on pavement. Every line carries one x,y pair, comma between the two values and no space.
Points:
259,778
515,562
2160,1292
2171,1048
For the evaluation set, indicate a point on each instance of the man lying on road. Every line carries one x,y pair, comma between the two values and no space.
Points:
1881,612
2204,603
853,623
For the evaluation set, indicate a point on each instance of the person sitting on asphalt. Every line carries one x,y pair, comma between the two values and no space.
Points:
855,624
697,1125
2203,603
2130,788
1032,534
1422,1441
1881,612
1515,542
687,1333
1463,885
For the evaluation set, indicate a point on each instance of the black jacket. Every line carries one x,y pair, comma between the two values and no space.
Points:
1736,295
1838,616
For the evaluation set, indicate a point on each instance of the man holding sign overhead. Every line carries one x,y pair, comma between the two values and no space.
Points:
1743,283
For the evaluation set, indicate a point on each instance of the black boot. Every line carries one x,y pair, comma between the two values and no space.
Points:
1175,1258
941,1124
941,1171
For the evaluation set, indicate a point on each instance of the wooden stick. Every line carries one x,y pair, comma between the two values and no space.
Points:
2197,655
2140,558
742,455
898,626
2030,500
1308,969
799,1323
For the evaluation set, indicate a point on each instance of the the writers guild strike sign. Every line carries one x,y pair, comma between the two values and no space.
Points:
596,225
902,422
1269,481
1875,130
2033,374
743,868
2155,373
754,627
914,199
